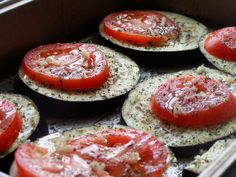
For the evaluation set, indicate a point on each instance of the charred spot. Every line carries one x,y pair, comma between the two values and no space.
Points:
130,41
206,79
150,43
89,67
61,81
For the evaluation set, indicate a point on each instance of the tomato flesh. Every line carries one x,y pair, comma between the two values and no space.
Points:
67,66
193,101
140,27
130,153
222,43
10,124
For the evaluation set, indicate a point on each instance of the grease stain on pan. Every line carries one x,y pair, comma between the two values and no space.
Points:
30,117
124,75
190,33
137,112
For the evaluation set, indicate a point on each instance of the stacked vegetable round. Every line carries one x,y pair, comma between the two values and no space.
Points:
219,47
78,72
19,118
94,151
156,31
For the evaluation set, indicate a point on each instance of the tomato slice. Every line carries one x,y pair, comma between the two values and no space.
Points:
193,101
140,27
10,124
222,43
114,152
67,66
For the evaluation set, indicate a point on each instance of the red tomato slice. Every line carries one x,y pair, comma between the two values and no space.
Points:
10,124
108,153
193,101
140,27
67,66
222,43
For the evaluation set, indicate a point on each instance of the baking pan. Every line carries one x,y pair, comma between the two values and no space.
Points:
27,24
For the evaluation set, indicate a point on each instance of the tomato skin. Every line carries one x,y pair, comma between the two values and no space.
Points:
210,101
118,157
28,149
222,43
10,124
67,66
140,27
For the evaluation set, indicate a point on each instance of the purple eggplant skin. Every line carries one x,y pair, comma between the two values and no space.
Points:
190,151
187,173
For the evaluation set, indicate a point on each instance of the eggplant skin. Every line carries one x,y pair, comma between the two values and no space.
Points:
187,173
137,113
68,109
190,151
190,32
49,142
30,117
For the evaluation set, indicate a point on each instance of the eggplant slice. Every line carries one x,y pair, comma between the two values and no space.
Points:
137,112
51,141
224,65
201,162
30,117
124,75
190,33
